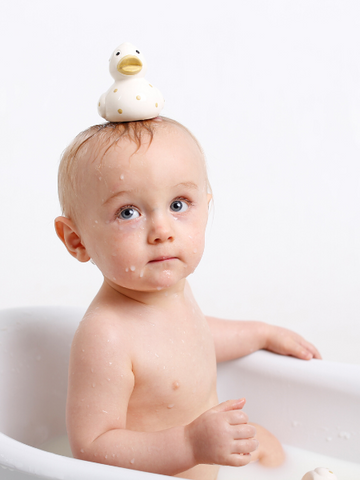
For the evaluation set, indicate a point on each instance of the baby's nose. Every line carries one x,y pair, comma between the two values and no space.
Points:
160,230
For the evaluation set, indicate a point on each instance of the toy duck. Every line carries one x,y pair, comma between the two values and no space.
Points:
319,474
131,97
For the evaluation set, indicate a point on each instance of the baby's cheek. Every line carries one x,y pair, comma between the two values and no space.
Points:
195,249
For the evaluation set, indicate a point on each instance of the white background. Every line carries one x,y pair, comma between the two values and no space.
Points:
272,91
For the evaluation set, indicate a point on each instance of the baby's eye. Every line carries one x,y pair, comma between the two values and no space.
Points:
129,213
179,206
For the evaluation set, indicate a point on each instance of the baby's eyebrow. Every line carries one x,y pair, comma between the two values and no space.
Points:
190,185
115,195
187,185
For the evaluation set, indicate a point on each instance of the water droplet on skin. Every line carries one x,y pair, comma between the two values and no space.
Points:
156,355
82,450
132,268
104,411
171,405
100,178
110,363
195,250
132,461
94,385
121,177
126,269
142,273
96,221
92,370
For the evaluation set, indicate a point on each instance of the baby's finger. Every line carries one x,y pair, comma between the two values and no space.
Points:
244,431
245,446
230,405
298,347
312,349
237,417
239,460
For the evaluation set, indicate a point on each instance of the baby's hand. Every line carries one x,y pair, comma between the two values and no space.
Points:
285,342
222,435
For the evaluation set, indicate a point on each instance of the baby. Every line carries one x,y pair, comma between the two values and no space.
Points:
142,375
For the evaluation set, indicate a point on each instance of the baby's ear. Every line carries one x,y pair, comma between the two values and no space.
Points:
67,233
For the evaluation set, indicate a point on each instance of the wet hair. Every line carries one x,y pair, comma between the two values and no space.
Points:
105,135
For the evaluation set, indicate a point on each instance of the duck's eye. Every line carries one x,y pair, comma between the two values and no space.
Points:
179,206
137,51
117,53
129,213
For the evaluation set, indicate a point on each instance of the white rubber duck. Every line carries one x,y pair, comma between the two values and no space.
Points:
319,474
131,97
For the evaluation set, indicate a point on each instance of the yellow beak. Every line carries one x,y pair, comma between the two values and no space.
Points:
129,65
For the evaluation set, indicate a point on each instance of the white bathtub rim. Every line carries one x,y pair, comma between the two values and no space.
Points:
319,373
17,456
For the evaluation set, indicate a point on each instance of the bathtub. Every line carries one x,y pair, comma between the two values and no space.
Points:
309,405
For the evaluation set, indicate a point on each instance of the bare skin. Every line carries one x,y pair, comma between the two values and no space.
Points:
142,376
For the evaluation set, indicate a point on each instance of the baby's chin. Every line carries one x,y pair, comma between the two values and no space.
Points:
156,276
157,283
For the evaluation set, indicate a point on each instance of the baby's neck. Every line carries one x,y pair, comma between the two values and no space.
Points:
160,298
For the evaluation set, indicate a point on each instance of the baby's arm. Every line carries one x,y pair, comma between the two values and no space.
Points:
235,339
98,397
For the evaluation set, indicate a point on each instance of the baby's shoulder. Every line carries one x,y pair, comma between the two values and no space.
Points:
101,351
102,331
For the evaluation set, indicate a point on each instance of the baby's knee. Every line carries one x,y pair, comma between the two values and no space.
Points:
270,452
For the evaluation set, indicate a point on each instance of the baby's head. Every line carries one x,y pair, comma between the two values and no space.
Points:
135,199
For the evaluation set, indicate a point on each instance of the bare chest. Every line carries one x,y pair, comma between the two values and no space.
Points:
175,375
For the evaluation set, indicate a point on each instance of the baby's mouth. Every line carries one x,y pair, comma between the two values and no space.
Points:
162,259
